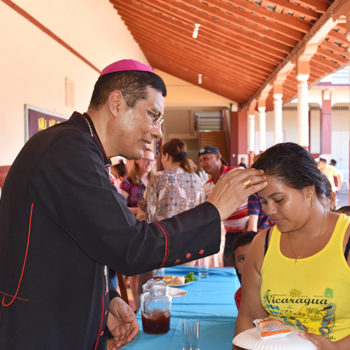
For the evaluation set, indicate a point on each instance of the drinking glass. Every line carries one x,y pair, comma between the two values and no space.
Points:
190,334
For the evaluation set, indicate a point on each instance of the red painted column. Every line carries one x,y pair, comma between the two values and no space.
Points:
239,135
326,122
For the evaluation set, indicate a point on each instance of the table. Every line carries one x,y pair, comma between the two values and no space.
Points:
210,300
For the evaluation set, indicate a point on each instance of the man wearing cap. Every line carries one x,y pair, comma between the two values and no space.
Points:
214,164
63,223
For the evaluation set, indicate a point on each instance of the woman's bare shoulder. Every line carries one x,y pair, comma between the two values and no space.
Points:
257,248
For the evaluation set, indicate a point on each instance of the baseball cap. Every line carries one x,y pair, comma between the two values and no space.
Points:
211,150
125,65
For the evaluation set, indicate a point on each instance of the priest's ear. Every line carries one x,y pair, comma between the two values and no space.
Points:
116,102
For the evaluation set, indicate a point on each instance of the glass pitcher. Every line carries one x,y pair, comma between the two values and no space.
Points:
155,307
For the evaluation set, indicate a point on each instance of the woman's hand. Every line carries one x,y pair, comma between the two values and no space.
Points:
320,341
140,214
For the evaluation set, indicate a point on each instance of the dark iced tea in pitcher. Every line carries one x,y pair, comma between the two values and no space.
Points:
156,321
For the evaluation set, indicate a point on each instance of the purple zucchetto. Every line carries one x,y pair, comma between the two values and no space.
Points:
125,65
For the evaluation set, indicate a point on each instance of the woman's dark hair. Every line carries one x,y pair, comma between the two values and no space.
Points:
133,85
293,165
134,171
344,210
120,168
326,186
176,150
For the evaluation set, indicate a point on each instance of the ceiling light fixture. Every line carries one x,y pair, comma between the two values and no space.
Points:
199,78
195,30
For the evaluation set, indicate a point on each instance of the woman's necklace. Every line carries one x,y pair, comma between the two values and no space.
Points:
296,256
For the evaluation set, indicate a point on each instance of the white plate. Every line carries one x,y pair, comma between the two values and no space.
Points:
250,340
181,284
177,292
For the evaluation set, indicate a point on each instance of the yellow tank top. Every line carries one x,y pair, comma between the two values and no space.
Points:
313,293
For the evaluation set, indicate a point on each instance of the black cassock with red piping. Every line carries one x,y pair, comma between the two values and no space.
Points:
61,223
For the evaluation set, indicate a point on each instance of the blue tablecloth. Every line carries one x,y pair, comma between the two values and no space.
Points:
210,300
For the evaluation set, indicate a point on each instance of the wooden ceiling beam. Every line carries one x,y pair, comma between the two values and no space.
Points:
274,19
290,6
204,60
319,71
225,31
227,91
255,46
317,5
203,64
190,75
142,28
331,56
335,36
259,26
183,11
324,63
325,21
329,44
179,32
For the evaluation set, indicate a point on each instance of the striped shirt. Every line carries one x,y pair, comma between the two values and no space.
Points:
238,221
255,208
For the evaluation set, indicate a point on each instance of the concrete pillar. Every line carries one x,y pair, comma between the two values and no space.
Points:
251,146
303,110
277,103
262,128
326,122
239,134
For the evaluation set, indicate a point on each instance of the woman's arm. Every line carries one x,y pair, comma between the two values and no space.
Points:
250,307
253,223
323,343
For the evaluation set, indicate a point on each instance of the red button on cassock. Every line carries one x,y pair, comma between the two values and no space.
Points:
201,252
177,261
188,255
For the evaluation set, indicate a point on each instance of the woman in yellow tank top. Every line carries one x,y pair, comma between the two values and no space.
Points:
299,270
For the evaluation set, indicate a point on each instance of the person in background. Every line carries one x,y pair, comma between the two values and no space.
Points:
328,171
242,163
175,189
133,188
337,175
118,173
258,220
211,161
240,248
299,270
172,191
135,184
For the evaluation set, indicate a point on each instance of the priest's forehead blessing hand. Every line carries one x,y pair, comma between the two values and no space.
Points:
234,188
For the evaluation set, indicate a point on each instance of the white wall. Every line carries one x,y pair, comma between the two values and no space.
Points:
33,66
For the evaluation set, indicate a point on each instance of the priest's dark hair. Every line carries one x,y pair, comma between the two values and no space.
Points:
132,84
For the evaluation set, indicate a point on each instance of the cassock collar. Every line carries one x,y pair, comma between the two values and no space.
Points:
93,133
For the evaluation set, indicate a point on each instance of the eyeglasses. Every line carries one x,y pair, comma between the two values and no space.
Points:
158,118
146,160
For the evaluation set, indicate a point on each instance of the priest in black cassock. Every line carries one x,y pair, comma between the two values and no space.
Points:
63,223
